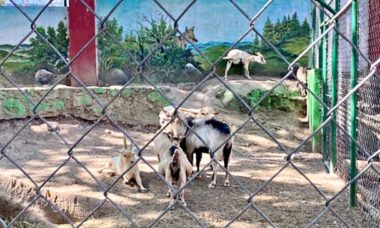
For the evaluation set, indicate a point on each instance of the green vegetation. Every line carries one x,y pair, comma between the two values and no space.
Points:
164,64
282,98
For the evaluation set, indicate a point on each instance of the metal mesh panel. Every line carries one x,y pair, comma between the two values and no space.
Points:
368,113
368,108
344,66
251,202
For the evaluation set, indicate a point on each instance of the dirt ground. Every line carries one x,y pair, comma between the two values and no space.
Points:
289,200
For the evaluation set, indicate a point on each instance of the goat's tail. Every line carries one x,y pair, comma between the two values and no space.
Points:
226,58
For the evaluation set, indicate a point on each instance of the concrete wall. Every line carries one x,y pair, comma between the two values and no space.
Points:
134,106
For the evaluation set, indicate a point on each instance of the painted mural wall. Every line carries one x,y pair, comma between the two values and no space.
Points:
138,25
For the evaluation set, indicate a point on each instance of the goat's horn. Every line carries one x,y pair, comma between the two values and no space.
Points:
125,141
189,110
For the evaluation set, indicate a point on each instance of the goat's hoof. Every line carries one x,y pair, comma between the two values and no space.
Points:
227,183
211,186
168,194
184,204
143,190
198,177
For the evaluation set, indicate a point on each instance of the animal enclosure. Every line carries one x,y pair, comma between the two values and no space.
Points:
284,171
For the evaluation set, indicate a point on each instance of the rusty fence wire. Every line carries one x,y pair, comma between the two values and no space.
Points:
139,74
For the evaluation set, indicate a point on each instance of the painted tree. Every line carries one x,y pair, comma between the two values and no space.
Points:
256,43
285,27
295,26
277,33
42,55
268,30
305,28
111,55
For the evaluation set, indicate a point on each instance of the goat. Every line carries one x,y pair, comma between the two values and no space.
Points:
168,111
161,142
176,168
118,165
302,77
189,34
236,56
212,132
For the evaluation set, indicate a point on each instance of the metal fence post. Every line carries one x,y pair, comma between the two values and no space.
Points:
353,100
334,94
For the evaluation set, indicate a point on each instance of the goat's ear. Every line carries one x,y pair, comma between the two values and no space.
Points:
186,29
192,28
170,135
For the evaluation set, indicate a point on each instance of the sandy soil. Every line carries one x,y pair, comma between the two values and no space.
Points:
289,200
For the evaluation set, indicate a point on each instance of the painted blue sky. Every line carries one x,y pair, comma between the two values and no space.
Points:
214,20
35,2
16,26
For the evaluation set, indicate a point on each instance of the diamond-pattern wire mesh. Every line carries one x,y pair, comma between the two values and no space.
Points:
251,196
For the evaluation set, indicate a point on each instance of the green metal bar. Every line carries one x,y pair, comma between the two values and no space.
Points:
326,6
334,94
324,94
353,100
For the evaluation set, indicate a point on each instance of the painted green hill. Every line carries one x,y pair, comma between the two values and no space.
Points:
275,65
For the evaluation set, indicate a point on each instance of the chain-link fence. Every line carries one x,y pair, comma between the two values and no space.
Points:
367,141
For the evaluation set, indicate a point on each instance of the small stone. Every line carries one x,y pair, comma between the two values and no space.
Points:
52,126
107,131
138,128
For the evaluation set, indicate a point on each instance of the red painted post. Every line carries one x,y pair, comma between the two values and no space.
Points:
81,29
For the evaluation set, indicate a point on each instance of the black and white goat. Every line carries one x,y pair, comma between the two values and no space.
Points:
212,132
162,142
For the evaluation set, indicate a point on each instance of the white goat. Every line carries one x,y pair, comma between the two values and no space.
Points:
176,168
302,77
236,56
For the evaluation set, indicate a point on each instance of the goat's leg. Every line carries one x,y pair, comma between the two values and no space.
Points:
198,161
214,171
169,180
139,182
102,169
181,183
226,158
246,70
228,66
